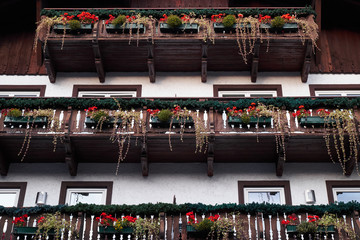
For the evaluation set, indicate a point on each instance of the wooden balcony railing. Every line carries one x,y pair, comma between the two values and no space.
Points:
173,227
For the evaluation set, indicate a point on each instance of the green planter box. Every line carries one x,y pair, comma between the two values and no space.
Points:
236,121
127,230
291,228
17,121
287,28
156,123
329,229
106,124
220,28
183,28
110,230
315,121
111,28
85,28
190,228
25,230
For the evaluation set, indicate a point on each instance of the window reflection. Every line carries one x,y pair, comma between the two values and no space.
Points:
348,196
267,197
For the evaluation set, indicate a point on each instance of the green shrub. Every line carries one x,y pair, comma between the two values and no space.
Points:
100,115
14,112
164,115
277,22
306,228
74,24
245,118
229,21
173,21
204,226
120,20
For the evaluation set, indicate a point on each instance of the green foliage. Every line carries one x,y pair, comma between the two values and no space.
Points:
245,118
307,228
204,226
14,112
100,115
104,13
229,21
277,22
165,115
74,24
120,20
173,21
50,222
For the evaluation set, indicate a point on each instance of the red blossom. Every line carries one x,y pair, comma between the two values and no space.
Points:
106,219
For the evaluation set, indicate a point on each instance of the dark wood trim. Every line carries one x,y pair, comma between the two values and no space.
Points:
78,88
65,185
255,62
247,87
20,185
339,184
260,184
25,88
333,87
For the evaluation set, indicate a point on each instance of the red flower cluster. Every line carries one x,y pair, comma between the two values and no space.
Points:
191,216
130,219
217,17
106,219
233,111
153,112
287,16
240,15
176,109
264,19
111,18
322,112
66,17
252,109
164,18
292,220
130,18
214,218
313,218
185,18
20,221
86,17
91,109
301,112
41,219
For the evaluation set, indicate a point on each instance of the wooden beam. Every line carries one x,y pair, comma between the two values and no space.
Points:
4,164
356,222
39,6
280,160
162,225
144,159
211,139
70,159
255,62
49,66
204,48
307,62
97,54
151,62
317,8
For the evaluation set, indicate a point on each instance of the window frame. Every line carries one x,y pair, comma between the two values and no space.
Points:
260,87
16,185
330,185
261,185
334,87
65,185
24,88
103,88
69,191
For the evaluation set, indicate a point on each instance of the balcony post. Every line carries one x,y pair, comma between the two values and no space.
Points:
70,159
151,61
162,225
204,48
98,60
255,62
210,153
307,62
49,66
4,164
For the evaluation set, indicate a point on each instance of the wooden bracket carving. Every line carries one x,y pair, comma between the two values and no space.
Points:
97,54
70,159
255,62
49,66
307,62
210,152
151,62
280,159
4,164
204,49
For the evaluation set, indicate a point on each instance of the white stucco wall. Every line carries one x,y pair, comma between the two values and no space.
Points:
188,182
180,84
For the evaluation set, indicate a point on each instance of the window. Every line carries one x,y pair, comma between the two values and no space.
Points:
264,191
247,91
343,191
86,192
12,194
335,90
22,91
107,91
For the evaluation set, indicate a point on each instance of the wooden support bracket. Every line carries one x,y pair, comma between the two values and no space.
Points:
144,159
97,54
151,62
49,66
280,159
307,62
204,49
4,164
210,152
255,62
70,159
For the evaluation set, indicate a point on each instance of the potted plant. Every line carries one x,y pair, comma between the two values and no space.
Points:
265,22
83,23
15,118
125,224
106,224
54,225
225,24
254,114
20,226
97,118
123,24
291,223
146,228
175,24
290,25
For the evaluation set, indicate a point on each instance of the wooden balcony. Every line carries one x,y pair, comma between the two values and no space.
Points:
77,143
258,226
103,52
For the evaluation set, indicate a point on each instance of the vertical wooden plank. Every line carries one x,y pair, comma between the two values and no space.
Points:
183,230
169,221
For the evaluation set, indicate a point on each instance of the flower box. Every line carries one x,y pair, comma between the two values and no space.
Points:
17,121
220,28
315,121
190,228
25,230
85,28
253,121
291,228
177,122
111,28
127,230
290,27
328,229
186,28
111,230
89,122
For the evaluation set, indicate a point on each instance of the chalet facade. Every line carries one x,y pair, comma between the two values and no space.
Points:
203,69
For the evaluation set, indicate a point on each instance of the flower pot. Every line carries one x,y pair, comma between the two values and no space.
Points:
85,28
220,28
23,120
236,121
127,230
190,228
183,28
315,121
156,123
107,230
264,27
328,229
25,230
291,228
111,28
90,123
287,28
